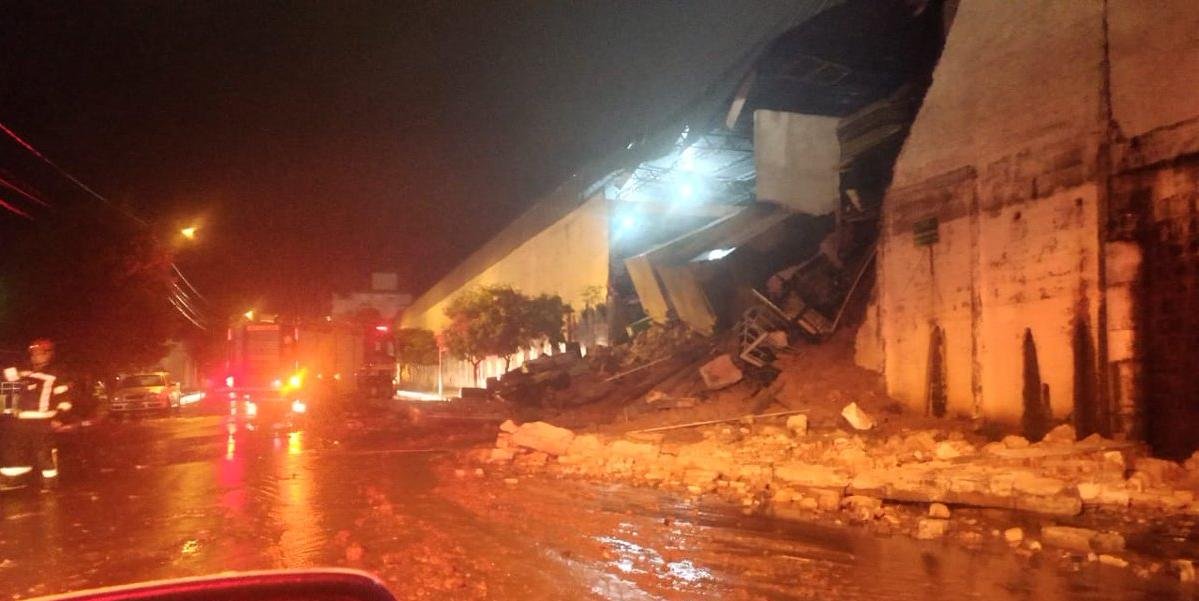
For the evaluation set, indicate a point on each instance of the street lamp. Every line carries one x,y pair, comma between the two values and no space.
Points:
189,232
249,315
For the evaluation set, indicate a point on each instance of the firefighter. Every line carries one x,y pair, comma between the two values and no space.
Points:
26,429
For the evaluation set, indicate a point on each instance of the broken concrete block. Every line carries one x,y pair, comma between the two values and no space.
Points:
508,426
1068,537
503,455
798,425
931,528
641,452
939,511
860,420
1015,442
720,372
1040,486
544,437
811,475
1063,434
828,500
946,451
1064,505
1185,569
1107,542
1112,560
1013,535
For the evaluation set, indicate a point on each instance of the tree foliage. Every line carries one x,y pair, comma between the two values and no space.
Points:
97,284
414,346
499,321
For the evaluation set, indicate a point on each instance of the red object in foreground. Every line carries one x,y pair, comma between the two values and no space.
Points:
269,585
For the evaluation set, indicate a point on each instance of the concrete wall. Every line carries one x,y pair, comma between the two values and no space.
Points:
1048,147
564,259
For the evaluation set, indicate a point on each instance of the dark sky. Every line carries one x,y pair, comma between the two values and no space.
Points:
317,141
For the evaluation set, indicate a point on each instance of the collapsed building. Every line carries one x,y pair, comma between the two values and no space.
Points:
1011,186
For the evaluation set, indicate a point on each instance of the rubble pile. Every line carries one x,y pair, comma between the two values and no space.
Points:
868,475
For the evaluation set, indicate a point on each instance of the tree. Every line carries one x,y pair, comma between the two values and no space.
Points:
484,321
499,320
96,283
541,320
415,346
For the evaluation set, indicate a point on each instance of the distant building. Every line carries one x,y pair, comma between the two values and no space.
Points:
383,297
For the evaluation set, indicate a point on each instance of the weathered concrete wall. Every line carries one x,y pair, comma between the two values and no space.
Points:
565,258
1003,155
1056,148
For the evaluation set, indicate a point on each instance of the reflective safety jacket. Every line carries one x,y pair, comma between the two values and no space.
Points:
33,394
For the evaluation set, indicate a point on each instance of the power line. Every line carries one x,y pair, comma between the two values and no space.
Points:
177,299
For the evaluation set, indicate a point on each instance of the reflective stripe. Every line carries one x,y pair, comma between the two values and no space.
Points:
48,386
36,414
64,406
61,388
13,472
50,473
11,374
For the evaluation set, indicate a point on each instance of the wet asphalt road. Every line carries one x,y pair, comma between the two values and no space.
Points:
195,495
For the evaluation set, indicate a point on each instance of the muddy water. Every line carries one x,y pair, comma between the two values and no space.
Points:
194,495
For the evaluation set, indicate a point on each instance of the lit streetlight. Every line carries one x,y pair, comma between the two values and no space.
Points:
189,232
249,314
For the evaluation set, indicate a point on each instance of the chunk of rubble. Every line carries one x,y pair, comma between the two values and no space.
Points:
1113,561
720,372
863,509
1013,535
1185,569
859,419
939,511
798,425
1082,540
931,528
1063,434
508,426
1015,442
544,437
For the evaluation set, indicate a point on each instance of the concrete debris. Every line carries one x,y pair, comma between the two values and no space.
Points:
1013,536
1185,568
1063,434
544,437
931,528
508,426
859,419
1112,560
1015,442
1082,540
720,372
798,425
938,510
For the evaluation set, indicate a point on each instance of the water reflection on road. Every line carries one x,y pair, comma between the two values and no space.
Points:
195,495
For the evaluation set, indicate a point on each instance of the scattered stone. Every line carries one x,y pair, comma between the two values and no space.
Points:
502,455
1107,542
1013,535
720,372
544,437
508,426
809,504
1068,537
478,472
1185,568
798,425
939,511
1063,434
1112,560
510,480
931,528
859,419
828,500
1116,458
864,509
812,475
1015,442
1034,545
459,473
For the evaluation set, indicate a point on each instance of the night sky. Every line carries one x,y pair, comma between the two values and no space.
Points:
317,141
